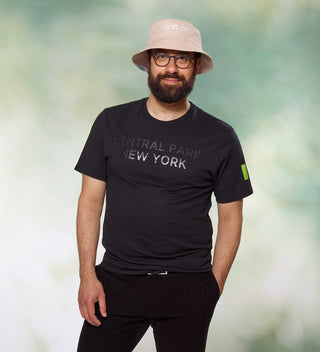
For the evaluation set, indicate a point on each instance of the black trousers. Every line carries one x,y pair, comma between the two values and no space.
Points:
177,306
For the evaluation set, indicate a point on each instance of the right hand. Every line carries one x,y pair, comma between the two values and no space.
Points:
90,292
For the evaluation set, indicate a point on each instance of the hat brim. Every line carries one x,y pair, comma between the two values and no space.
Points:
140,59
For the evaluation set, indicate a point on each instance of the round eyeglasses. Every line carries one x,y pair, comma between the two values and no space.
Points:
181,61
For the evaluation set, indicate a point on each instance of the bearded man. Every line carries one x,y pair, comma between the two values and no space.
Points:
157,162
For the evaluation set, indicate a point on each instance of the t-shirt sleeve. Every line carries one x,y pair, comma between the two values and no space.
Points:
232,180
92,161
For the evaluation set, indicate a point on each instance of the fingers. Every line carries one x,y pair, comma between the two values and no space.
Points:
102,305
91,315
87,311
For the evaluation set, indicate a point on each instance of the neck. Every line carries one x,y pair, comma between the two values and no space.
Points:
164,111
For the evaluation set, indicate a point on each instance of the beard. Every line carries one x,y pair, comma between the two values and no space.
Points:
167,93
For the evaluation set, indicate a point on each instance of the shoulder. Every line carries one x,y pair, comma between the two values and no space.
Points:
212,124
118,114
121,109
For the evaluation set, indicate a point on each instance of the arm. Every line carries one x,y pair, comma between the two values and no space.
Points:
88,228
228,239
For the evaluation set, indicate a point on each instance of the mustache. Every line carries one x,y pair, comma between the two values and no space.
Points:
171,75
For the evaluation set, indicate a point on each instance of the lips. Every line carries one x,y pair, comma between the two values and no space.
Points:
170,79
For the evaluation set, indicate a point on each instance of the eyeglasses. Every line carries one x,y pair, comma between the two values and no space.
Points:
181,61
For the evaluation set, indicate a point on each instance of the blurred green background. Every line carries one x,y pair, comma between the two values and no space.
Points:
62,62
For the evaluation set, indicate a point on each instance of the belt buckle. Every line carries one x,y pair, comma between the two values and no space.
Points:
157,273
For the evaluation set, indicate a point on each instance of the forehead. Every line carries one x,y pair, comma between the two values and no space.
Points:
173,52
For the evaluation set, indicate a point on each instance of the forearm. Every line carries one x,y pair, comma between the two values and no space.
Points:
227,241
88,229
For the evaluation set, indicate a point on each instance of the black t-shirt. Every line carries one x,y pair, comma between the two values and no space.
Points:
160,177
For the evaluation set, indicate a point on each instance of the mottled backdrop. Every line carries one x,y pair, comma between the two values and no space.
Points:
62,62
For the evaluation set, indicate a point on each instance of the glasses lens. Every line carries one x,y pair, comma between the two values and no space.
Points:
183,61
161,59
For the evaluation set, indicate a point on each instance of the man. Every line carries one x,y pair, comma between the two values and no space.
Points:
158,161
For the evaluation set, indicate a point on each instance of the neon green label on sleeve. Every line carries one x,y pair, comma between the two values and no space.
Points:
244,172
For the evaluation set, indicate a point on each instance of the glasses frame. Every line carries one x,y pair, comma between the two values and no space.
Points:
175,57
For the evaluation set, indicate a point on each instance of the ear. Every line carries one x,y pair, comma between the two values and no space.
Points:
198,63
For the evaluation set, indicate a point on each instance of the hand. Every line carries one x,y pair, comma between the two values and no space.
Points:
90,292
219,280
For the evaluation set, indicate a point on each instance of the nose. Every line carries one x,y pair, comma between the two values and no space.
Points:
171,67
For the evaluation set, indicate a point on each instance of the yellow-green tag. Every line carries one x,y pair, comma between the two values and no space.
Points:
244,172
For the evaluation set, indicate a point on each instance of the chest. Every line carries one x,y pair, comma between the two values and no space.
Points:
180,157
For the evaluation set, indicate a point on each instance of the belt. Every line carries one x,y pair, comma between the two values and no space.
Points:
157,273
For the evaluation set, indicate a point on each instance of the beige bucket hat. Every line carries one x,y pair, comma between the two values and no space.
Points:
173,34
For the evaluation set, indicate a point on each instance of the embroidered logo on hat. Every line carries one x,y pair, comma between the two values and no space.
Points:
175,27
